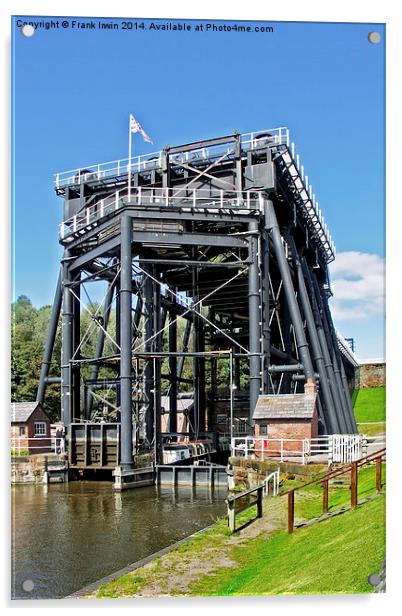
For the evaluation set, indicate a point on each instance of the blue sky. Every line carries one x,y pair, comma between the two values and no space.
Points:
73,90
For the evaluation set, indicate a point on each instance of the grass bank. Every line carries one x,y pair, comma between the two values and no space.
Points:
332,556
369,405
372,429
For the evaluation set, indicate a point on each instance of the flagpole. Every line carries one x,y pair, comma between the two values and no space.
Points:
129,158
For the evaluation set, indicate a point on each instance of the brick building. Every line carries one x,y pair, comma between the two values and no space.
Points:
30,428
287,416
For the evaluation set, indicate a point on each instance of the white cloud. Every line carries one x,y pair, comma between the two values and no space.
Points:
358,283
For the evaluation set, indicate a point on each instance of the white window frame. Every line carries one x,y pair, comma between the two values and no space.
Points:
40,423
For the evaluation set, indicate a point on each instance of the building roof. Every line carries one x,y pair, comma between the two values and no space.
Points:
183,404
22,411
285,406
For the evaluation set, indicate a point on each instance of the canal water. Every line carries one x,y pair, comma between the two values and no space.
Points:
66,536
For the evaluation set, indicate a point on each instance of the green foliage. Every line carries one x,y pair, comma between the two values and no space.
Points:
29,331
369,404
19,452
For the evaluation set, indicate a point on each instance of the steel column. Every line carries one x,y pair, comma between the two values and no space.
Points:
337,363
149,331
173,373
67,344
283,266
254,319
157,390
125,343
316,305
332,421
75,369
266,330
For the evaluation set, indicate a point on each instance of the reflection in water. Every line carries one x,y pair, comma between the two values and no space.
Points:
65,536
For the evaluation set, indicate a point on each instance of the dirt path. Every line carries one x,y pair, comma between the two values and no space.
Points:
175,572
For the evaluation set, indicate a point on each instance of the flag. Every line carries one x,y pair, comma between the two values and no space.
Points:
135,127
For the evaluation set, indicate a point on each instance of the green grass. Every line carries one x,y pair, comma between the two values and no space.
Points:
129,584
333,556
308,501
372,429
369,405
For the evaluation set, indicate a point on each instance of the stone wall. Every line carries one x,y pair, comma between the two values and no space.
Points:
31,469
371,375
246,474
27,469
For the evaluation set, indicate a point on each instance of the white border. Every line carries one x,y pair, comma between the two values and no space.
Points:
291,10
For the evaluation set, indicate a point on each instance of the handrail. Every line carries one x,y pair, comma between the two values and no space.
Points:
278,137
342,471
231,502
353,468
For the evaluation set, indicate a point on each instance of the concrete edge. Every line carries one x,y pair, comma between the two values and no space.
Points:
90,588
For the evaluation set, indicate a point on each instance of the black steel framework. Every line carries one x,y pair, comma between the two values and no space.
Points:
222,235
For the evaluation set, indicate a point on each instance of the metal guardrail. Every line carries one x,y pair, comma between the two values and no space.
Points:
343,448
236,503
169,197
236,506
153,160
44,444
274,137
268,448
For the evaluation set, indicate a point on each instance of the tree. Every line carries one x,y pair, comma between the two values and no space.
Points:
29,331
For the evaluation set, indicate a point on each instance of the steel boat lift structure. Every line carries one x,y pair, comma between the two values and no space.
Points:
224,233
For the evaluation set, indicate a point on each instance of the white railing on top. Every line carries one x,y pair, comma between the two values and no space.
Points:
249,141
147,162
175,197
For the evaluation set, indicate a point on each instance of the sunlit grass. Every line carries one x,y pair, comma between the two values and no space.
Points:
369,404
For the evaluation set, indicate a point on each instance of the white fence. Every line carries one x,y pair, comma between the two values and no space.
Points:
274,479
342,448
37,444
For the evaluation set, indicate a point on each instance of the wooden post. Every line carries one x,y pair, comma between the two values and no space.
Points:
231,515
378,468
353,485
325,496
291,510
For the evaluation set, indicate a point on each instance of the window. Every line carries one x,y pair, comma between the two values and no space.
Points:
242,426
22,430
40,428
263,429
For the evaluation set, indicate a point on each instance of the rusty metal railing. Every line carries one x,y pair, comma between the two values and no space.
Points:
353,468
